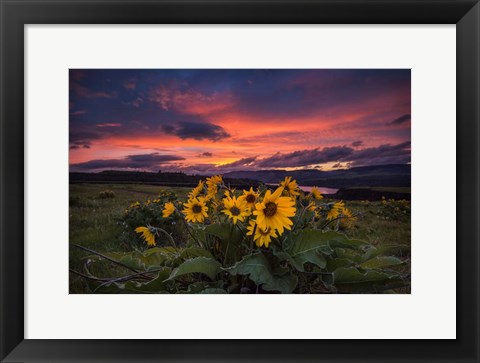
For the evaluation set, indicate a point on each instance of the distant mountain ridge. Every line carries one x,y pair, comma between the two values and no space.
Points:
144,177
398,175
395,175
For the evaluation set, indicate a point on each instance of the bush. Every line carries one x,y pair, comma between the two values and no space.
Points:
395,209
106,194
150,213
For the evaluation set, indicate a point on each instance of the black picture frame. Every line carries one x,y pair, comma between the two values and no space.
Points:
15,14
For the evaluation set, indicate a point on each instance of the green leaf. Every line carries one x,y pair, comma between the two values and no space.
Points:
220,230
155,286
350,275
163,251
258,269
230,237
299,260
204,288
307,246
122,257
370,252
199,232
381,262
150,259
350,279
213,291
193,252
335,263
340,240
133,262
349,254
204,265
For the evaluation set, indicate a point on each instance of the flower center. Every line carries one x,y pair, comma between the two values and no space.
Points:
250,198
235,211
196,208
270,209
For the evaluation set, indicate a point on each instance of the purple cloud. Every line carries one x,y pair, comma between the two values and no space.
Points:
142,161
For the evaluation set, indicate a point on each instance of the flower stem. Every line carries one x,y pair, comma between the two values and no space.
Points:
240,229
253,237
228,245
168,235
191,234
299,218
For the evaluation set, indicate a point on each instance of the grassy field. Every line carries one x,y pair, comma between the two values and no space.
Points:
95,222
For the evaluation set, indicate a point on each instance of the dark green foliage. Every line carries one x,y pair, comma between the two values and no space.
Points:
150,213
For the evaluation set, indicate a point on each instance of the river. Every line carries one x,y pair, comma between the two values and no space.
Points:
323,190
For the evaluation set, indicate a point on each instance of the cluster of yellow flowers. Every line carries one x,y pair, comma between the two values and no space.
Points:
269,217
135,205
265,217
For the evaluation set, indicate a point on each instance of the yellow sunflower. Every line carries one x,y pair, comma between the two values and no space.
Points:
197,190
212,182
250,198
195,210
212,190
348,218
212,186
262,237
147,235
290,187
274,211
335,210
235,209
168,209
316,193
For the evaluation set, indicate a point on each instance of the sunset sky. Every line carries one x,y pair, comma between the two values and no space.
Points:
215,121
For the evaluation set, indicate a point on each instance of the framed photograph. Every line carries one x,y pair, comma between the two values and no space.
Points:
240,181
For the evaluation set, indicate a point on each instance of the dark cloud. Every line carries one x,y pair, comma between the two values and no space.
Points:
281,136
304,92
82,139
206,154
203,169
83,136
357,143
196,130
241,162
306,157
85,92
78,113
383,154
143,161
343,157
340,165
247,163
400,120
